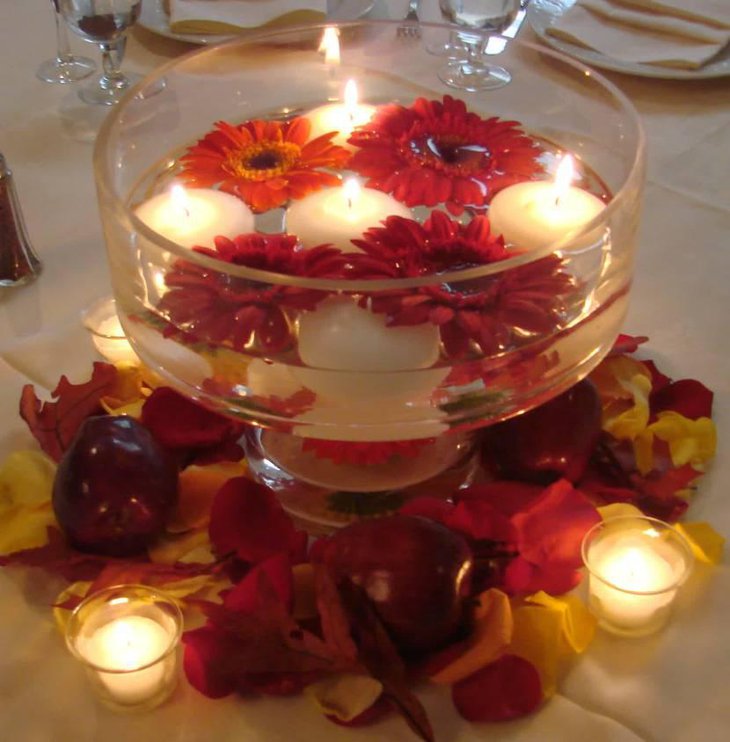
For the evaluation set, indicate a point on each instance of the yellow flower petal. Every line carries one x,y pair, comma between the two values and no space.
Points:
26,478
113,407
170,549
628,424
690,441
25,528
491,633
549,630
617,510
578,624
345,696
707,544
537,637
610,377
644,450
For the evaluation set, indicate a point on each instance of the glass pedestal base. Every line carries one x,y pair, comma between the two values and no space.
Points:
321,494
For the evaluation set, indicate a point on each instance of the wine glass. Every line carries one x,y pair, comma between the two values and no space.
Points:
104,22
64,67
471,72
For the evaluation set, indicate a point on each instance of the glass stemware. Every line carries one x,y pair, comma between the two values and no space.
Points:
105,23
470,71
64,67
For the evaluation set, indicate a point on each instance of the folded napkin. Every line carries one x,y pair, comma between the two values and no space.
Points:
232,16
657,32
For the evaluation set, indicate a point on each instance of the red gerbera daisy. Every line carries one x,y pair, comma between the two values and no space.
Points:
353,452
494,312
436,152
265,163
217,308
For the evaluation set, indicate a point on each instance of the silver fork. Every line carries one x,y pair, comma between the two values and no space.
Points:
409,28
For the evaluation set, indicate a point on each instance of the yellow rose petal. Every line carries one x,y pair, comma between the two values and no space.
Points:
25,528
578,624
537,637
26,478
491,633
170,549
628,424
345,696
618,510
707,544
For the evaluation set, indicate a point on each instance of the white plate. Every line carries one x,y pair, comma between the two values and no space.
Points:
542,13
154,19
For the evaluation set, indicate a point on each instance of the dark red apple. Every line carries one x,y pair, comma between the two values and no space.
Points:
554,440
416,573
114,488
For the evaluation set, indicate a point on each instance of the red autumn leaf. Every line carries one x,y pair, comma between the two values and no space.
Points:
551,528
245,596
54,424
381,659
627,344
178,423
505,689
688,397
247,520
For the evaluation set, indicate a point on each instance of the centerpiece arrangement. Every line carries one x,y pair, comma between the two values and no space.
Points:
361,264
354,293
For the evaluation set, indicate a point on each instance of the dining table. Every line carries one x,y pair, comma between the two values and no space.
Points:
670,687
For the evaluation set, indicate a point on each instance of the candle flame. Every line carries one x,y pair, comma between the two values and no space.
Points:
563,177
351,191
330,45
350,97
179,200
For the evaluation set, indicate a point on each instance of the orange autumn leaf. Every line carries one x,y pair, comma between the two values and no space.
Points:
197,486
492,632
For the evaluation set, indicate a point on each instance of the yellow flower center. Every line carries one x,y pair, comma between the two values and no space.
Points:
262,160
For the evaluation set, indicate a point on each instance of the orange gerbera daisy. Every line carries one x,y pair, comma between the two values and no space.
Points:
264,163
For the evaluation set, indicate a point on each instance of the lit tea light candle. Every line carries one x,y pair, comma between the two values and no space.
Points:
111,342
337,215
534,214
195,216
636,566
340,117
126,636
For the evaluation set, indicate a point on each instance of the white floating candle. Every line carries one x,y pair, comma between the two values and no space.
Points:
195,216
340,117
352,353
534,214
337,215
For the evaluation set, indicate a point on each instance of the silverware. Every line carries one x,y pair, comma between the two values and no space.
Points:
409,28
18,263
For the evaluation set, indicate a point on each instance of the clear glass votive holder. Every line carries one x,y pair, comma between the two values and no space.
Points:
127,637
636,565
102,321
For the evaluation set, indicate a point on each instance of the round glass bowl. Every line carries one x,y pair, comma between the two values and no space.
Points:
431,325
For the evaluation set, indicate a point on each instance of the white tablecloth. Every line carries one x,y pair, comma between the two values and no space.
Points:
671,688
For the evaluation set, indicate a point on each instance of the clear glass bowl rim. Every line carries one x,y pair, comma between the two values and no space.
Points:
655,522
127,216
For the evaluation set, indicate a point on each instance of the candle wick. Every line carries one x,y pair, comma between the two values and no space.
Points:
557,201
187,211
349,204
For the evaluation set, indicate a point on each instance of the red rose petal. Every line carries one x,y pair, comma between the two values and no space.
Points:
204,662
688,397
246,519
245,596
177,422
551,529
432,508
505,689
522,578
506,496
